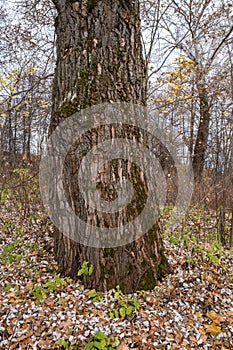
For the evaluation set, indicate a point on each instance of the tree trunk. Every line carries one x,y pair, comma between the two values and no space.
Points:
202,136
99,59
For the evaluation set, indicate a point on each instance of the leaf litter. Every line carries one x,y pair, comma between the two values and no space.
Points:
190,309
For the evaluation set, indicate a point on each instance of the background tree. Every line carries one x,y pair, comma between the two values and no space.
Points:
27,62
198,34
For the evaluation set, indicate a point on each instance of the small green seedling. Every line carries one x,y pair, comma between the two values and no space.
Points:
100,341
124,306
86,269
62,343
94,296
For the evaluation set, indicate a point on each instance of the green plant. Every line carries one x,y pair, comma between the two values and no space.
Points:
117,293
185,240
94,295
5,195
123,306
8,226
8,255
174,240
142,292
86,269
17,289
62,343
7,287
193,239
213,258
191,261
100,341
216,245
167,210
76,346
32,245
40,291
70,330
20,230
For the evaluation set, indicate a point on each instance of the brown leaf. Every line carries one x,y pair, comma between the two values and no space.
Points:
66,324
123,346
202,331
215,317
212,328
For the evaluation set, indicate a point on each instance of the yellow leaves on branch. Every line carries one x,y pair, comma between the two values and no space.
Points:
44,105
30,69
184,68
25,113
10,81
2,80
178,80
184,61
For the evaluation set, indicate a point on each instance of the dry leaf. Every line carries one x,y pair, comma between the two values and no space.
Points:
215,317
202,331
66,324
212,328
123,346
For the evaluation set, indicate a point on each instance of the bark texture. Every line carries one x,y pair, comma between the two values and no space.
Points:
99,59
202,135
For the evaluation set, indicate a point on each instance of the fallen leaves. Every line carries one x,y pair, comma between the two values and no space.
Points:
123,346
191,309
212,328
217,319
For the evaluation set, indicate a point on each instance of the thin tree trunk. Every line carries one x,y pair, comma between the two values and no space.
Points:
202,136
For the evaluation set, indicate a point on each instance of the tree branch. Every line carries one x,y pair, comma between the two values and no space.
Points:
220,45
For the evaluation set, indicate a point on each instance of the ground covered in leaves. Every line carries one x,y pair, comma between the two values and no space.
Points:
190,309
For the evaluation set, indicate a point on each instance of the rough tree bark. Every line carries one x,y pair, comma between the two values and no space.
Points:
202,135
99,59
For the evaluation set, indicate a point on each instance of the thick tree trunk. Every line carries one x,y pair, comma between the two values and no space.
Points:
99,59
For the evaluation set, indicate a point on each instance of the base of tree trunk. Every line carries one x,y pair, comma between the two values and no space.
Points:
135,266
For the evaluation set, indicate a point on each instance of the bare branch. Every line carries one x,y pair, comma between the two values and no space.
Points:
220,45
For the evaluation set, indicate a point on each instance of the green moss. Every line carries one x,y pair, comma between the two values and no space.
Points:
147,281
130,269
119,54
108,252
144,263
164,268
91,4
67,109
152,234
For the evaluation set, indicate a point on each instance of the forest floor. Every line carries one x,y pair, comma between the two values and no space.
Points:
190,309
